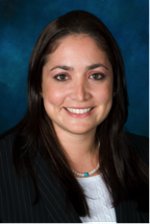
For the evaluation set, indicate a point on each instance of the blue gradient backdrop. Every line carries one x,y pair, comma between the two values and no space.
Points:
21,22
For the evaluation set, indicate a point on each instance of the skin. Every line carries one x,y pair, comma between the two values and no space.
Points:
79,88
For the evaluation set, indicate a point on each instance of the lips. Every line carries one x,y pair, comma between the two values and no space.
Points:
79,107
79,112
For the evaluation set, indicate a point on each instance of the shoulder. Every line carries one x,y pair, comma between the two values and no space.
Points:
7,170
137,138
140,144
7,141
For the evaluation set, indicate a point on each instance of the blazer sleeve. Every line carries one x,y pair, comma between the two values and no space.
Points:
126,211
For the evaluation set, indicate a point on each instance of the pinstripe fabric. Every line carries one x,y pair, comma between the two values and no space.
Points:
17,194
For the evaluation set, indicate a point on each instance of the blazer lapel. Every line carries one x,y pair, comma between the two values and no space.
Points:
52,195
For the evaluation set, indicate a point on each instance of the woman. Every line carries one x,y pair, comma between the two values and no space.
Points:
69,159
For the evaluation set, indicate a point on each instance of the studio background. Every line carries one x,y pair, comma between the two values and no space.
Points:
21,22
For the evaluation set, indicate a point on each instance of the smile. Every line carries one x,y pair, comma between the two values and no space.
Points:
78,111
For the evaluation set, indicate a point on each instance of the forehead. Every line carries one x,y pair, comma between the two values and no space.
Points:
72,39
77,38
80,45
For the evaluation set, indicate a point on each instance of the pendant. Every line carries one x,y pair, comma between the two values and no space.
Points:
86,174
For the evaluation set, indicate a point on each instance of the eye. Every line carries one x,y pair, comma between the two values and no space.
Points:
97,76
61,77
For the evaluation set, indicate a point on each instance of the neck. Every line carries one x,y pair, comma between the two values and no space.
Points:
81,149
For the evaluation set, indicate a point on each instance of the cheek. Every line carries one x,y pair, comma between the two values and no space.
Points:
104,94
53,96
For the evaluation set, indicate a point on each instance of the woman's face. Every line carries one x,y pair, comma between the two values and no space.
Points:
77,85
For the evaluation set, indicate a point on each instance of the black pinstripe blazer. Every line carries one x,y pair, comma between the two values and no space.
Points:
17,194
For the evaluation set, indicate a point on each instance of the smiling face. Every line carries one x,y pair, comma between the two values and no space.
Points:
77,85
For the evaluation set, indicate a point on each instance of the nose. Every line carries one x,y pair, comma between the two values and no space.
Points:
80,91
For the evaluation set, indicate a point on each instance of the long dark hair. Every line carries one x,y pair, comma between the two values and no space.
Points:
121,168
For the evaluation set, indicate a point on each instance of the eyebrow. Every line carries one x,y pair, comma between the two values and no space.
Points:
96,66
67,68
64,67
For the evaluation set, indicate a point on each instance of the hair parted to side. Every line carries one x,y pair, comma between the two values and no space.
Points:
36,130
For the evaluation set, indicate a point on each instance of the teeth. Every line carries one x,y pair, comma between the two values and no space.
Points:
78,111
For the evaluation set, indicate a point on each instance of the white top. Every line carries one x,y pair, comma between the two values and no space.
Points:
98,199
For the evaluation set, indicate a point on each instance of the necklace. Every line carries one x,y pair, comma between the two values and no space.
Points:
86,174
